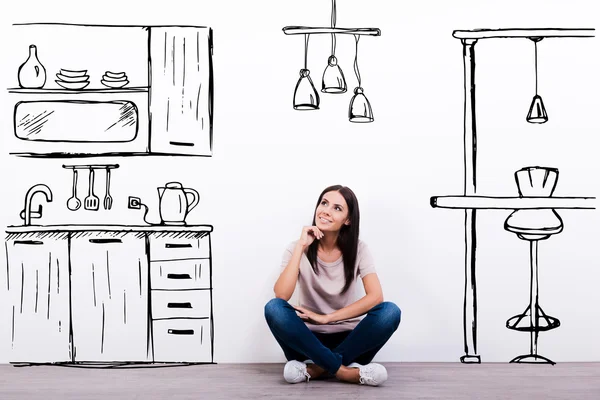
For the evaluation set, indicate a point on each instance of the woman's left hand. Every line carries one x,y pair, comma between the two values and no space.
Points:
313,317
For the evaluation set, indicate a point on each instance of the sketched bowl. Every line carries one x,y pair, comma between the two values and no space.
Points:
72,85
114,76
114,84
72,73
65,78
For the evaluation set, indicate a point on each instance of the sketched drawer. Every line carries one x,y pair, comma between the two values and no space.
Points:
180,303
182,340
179,245
184,274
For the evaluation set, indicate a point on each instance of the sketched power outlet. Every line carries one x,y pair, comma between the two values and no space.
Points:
134,203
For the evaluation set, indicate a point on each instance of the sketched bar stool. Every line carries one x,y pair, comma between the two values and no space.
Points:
534,225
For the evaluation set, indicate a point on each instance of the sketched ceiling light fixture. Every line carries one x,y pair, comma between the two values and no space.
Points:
360,108
305,94
333,81
537,112
333,77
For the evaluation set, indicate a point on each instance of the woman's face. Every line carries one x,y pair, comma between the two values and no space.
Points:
332,212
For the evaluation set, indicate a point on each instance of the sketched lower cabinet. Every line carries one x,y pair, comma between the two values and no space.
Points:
181,297
109,280
38,293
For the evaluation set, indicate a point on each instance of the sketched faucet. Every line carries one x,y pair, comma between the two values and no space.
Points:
27,214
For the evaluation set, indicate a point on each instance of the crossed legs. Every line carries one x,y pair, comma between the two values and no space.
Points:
332,353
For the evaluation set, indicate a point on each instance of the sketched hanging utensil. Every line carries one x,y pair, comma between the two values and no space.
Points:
91,202
108,200
74,203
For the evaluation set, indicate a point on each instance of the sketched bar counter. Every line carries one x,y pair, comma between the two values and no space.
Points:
471,202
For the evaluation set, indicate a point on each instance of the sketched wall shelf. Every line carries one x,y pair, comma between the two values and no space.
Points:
109,295
162,104
471,201
71,92
333,81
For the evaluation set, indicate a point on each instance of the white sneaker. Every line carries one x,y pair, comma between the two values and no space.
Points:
295,372
372,374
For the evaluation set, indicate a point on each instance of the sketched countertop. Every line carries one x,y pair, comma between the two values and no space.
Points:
111,228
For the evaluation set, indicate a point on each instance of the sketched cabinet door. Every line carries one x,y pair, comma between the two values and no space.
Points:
109,295
181,92
38,296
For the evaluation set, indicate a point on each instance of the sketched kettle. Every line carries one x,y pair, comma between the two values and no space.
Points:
175,204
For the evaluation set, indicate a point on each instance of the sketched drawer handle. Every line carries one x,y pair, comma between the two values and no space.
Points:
102,241
177,245
182,144
179,305
179,276
180,331
32,242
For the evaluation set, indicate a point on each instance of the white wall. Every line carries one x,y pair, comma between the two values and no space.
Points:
271,162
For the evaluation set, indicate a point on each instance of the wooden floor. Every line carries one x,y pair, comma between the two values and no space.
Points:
447,381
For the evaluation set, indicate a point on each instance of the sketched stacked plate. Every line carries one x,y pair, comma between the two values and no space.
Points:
114,80
73,80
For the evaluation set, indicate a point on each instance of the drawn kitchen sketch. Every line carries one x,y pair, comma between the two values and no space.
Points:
533,218
164,105
110,295
306,96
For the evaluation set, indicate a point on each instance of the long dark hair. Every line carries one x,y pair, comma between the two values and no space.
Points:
347,240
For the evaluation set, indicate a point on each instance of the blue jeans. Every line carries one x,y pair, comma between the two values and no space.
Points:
331,350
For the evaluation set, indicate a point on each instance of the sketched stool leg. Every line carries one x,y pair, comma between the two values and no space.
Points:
534,225
538,320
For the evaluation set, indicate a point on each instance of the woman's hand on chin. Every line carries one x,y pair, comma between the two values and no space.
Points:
309,234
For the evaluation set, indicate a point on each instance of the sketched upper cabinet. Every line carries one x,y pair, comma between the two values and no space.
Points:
109,281
148,90
181,96
38,295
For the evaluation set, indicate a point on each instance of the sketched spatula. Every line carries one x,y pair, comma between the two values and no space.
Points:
91,202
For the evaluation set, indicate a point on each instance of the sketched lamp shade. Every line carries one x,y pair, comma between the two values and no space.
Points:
306,96
360,109
333,78
537,112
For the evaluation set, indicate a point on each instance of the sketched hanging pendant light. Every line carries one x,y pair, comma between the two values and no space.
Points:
537,112
306,96
360,108
333,77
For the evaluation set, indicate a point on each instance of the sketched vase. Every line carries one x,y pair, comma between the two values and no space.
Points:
32,74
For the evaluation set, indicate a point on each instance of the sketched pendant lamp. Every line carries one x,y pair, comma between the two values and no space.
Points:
306,96
537,112
360,109
333,77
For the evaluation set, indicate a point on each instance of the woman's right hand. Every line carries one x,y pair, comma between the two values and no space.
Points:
309,234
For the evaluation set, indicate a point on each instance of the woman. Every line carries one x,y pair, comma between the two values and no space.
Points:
325,335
